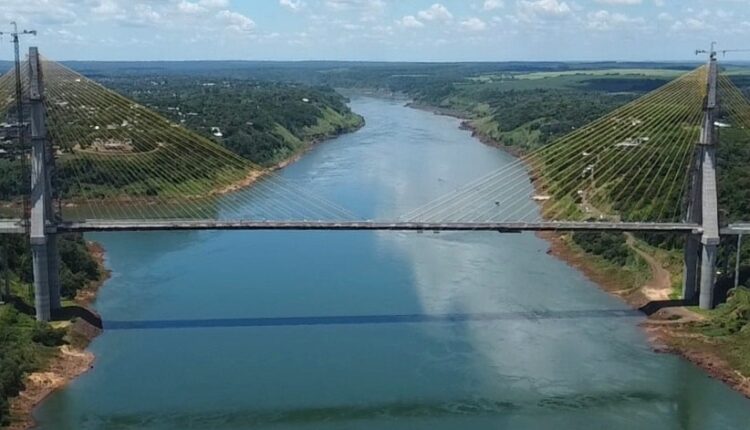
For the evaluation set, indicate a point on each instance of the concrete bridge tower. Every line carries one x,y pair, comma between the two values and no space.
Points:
42,224
700,250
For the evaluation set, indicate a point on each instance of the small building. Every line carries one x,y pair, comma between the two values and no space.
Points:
632,142
216,132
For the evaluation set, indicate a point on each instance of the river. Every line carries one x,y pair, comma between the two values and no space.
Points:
236,330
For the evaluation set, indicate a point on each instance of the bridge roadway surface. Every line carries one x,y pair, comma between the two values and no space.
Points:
15,226
10,226
505,227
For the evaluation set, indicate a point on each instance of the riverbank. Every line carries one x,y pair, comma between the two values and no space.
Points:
671,329
467,124
71,360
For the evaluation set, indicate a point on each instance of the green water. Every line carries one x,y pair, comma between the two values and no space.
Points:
315,330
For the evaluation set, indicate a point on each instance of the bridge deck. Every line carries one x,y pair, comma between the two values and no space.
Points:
736,229
509,227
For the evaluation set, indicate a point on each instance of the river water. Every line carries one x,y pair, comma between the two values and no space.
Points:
366,330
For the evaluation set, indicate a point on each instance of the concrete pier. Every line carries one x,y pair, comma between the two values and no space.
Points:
691,269
708,276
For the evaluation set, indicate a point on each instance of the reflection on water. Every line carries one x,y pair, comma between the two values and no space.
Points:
366,330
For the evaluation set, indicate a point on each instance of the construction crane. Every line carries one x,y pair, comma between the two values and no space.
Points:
14,36
724,51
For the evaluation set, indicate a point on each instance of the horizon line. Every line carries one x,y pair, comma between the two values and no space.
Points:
10,60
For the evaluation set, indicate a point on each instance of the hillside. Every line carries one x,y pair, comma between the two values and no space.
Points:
177,137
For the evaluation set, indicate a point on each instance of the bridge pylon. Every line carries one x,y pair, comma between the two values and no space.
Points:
700,251
42,224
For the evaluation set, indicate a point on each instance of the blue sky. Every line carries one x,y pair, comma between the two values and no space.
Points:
395,30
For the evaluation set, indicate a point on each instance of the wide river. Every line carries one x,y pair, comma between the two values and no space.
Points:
448,331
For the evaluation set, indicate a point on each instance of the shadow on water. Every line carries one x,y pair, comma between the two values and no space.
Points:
367,319
477,407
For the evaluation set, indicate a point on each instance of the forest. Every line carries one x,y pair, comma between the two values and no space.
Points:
264,122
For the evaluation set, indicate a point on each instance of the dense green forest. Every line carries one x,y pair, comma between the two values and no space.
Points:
265,122
25,344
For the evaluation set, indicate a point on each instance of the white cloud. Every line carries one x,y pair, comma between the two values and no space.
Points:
543,8
664,16
214,4
603,21
142,15
410,21
474,24
436,12
492,4
690,24
293,5
620,2
236,21
374,5
48,13
190,8
107,7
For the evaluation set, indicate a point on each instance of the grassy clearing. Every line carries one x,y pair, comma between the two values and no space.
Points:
728,326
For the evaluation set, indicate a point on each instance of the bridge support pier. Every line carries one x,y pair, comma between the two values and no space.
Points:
708,276
691,271
42,230
40,254
53,261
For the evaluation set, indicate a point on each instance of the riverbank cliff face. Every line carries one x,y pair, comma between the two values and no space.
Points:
669,330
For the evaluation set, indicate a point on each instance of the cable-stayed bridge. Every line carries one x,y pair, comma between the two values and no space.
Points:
102,162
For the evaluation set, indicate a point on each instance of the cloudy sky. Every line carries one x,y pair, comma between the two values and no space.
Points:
415,30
